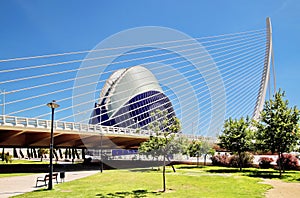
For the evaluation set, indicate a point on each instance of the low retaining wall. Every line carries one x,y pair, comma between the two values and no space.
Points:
111,164
43,168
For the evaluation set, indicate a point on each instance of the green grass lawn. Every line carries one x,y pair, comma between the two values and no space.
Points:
18,161
288,176
14,174
186,182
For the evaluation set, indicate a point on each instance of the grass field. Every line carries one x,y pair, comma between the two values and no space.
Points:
288,176
14,174
18,161
188,181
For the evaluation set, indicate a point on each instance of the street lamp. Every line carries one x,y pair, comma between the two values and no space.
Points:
53,106
101,154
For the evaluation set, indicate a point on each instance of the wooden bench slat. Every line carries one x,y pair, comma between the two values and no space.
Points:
46,178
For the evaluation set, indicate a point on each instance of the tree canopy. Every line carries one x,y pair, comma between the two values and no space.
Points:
236,137
277,129
194,149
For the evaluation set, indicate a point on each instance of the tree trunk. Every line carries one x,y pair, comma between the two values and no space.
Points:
73,155
21,153
164,174
76,153
66,153
197,160
34,153
70,153
205,159
171,164
60,153
280,164
83,153
2,155
55,154
15,154
240,161
31,152
28,153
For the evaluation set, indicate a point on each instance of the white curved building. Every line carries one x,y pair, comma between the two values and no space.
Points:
128,98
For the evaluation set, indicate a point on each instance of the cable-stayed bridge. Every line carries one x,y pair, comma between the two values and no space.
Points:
112,91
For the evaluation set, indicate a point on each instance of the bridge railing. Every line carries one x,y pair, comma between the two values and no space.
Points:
13,121
33,123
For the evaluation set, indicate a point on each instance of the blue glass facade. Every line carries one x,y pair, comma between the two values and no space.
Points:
136,113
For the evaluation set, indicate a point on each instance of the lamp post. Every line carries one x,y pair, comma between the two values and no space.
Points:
53,106
101,154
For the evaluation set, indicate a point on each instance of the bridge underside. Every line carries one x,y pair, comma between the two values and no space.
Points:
25,138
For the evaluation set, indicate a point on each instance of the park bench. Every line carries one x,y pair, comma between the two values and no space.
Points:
46,178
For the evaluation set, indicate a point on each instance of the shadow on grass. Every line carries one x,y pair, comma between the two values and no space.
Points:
134,193
265,174
227,170
258,173
145,170
291,176
41,190
190,167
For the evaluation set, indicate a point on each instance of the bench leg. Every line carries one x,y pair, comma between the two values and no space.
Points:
40,181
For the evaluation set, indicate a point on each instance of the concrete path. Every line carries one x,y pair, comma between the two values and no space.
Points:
282,189
10,186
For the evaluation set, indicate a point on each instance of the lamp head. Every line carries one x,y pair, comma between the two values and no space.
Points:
53,105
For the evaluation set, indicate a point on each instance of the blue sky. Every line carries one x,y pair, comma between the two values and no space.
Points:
35,27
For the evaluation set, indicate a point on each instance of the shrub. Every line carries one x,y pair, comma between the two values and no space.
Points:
289,162
265,162
220,160
246,157
7,157
233,160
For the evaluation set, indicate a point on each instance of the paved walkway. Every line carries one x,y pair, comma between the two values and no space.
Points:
282,189
10,186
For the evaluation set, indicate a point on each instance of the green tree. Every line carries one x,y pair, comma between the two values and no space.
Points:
277,129
194,149
8,157
206,149
162,141
42,152
237,137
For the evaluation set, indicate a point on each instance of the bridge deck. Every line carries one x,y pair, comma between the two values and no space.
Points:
30,132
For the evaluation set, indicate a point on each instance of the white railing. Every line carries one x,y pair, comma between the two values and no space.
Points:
13,121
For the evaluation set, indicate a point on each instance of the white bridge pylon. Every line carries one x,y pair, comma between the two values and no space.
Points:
265,80
126,77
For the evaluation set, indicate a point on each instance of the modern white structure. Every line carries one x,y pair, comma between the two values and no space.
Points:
128,99
265,80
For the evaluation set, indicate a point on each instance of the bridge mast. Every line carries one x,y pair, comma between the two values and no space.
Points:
266,72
